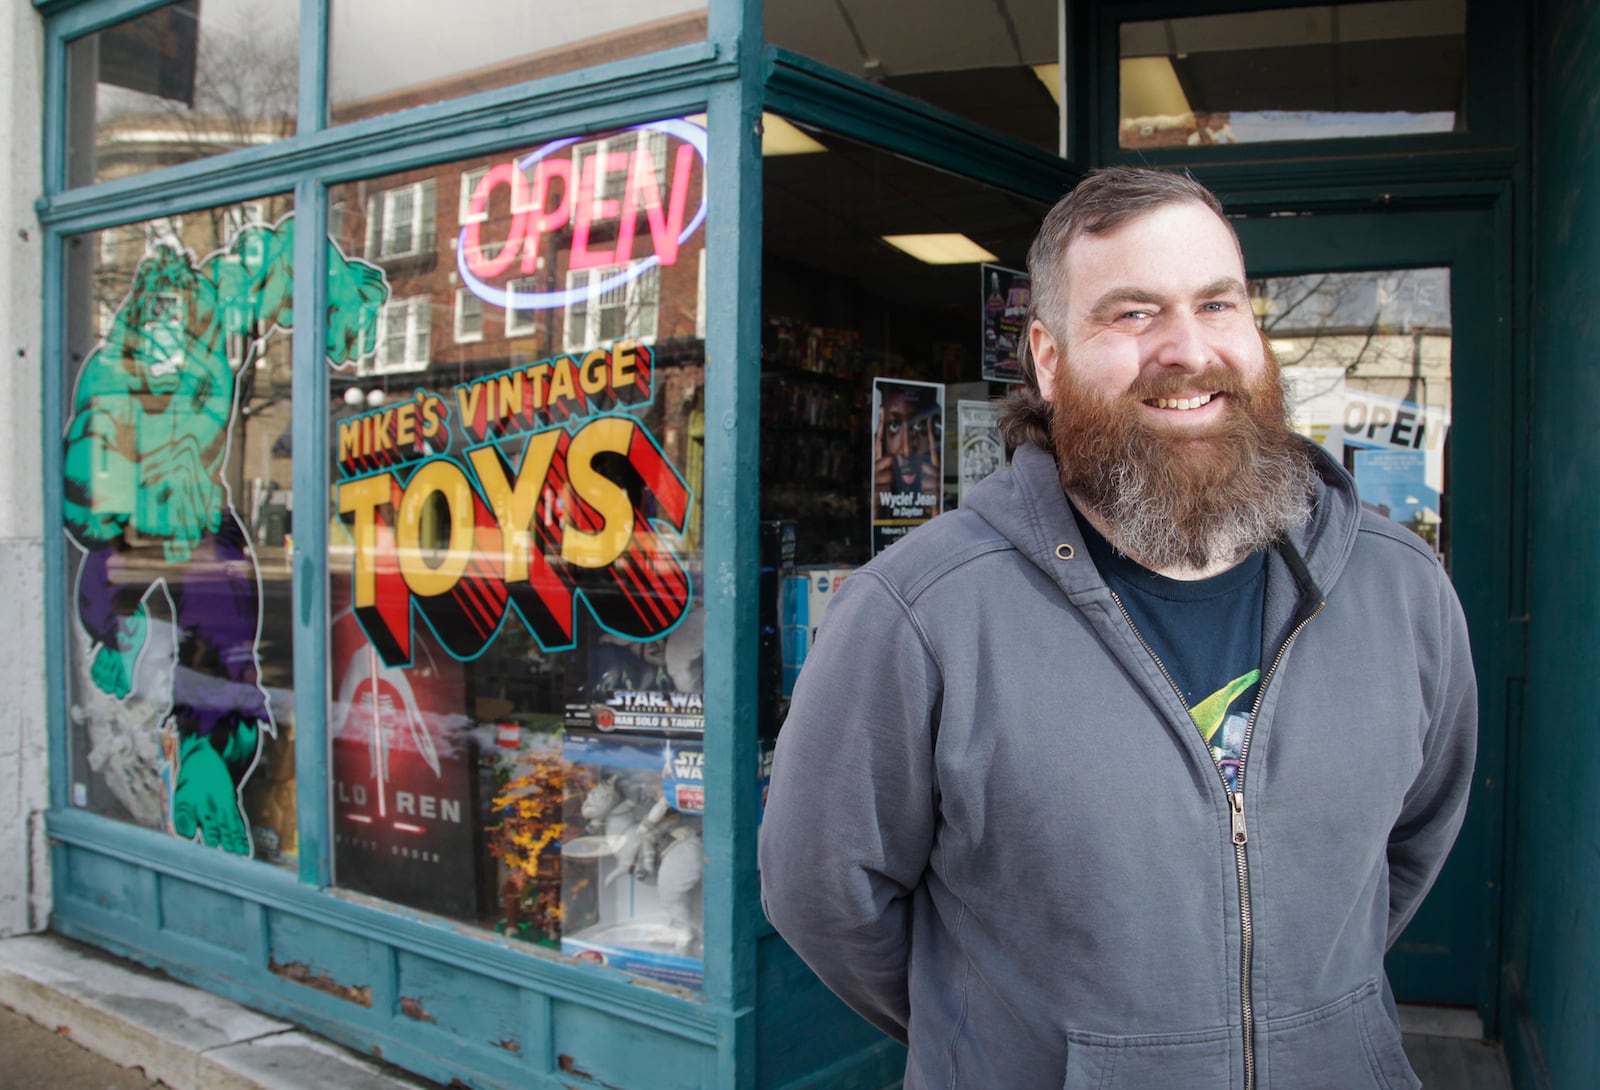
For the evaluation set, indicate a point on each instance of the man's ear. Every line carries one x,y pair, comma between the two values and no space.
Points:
1046,357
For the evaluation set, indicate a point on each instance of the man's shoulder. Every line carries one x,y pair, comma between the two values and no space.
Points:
1392,539
936,550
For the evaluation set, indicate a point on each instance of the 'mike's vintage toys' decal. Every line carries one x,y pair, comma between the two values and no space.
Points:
550,497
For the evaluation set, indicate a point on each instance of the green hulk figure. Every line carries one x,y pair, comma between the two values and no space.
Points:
146,445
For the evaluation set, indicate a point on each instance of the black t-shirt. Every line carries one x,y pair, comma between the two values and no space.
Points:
1205,632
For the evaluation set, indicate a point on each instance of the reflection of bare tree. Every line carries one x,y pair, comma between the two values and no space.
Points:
245,93
1385,329
250,79
1299,313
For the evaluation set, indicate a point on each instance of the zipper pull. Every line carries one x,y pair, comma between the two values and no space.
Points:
1236,804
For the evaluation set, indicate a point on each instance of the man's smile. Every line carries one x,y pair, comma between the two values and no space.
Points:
1180,403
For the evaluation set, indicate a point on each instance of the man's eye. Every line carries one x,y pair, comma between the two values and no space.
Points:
1218,306
1135,315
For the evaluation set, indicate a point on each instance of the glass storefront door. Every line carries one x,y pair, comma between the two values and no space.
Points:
1389,329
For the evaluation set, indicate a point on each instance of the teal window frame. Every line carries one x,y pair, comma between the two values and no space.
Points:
719,76
1496,105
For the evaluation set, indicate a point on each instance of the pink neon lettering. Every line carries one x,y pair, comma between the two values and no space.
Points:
664,231
641,182
541,218
506,174
590,210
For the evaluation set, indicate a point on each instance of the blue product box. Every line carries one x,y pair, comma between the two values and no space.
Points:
804,599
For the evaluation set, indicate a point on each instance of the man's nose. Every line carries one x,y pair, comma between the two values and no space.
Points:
1182,343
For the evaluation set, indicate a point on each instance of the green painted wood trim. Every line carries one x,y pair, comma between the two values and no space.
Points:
807,90
482,953
75,18
312,110
1497,96
731,562
593,98
309,588
52,457
55,109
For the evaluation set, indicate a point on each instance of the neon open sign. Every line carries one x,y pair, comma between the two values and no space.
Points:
545,197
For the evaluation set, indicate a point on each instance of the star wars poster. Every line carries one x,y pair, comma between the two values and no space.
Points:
404,765
907,438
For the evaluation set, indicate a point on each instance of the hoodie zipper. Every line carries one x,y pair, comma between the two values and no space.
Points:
1239,832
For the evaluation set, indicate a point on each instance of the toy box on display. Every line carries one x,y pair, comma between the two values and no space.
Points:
642,688
632,855
805,597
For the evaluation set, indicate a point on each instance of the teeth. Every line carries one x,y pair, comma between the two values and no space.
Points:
1181,402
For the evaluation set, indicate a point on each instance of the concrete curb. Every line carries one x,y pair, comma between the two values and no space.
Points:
185,1037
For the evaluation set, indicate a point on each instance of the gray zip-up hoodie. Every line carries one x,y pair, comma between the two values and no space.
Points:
994,830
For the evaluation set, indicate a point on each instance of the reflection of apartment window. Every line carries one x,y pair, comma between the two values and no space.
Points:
487,249
614,183
469,317
237,217
403,328
164,230
622,310
469,184
400,221
521,322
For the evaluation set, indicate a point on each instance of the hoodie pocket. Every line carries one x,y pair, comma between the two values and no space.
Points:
1349,1044
1202,1060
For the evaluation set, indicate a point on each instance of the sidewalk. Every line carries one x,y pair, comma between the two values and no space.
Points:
84,1019
140,1030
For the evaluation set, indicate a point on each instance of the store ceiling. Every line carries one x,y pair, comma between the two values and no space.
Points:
828,213
882,39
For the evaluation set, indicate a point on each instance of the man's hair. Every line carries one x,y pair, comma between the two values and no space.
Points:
1103,201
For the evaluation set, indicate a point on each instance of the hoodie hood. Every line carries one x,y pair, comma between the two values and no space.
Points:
1024,503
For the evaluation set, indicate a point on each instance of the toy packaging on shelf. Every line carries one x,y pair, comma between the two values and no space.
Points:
805,597
632,852
640,688
632,855
778,539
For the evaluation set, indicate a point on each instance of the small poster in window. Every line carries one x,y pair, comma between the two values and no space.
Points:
907,438
979,451
1394,484
1006,296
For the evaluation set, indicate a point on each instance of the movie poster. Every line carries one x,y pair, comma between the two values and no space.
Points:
1006,295
907,438
404,767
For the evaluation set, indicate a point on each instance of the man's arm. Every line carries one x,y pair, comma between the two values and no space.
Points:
851,812
1437,802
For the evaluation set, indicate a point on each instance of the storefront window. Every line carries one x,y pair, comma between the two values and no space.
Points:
1313,73
388,55
894,300
516,637
1366,357
999,64
178,520
181,83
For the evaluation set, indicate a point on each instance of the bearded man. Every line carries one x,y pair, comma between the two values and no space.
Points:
1127,774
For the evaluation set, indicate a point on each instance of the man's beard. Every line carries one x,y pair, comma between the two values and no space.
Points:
1181,500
